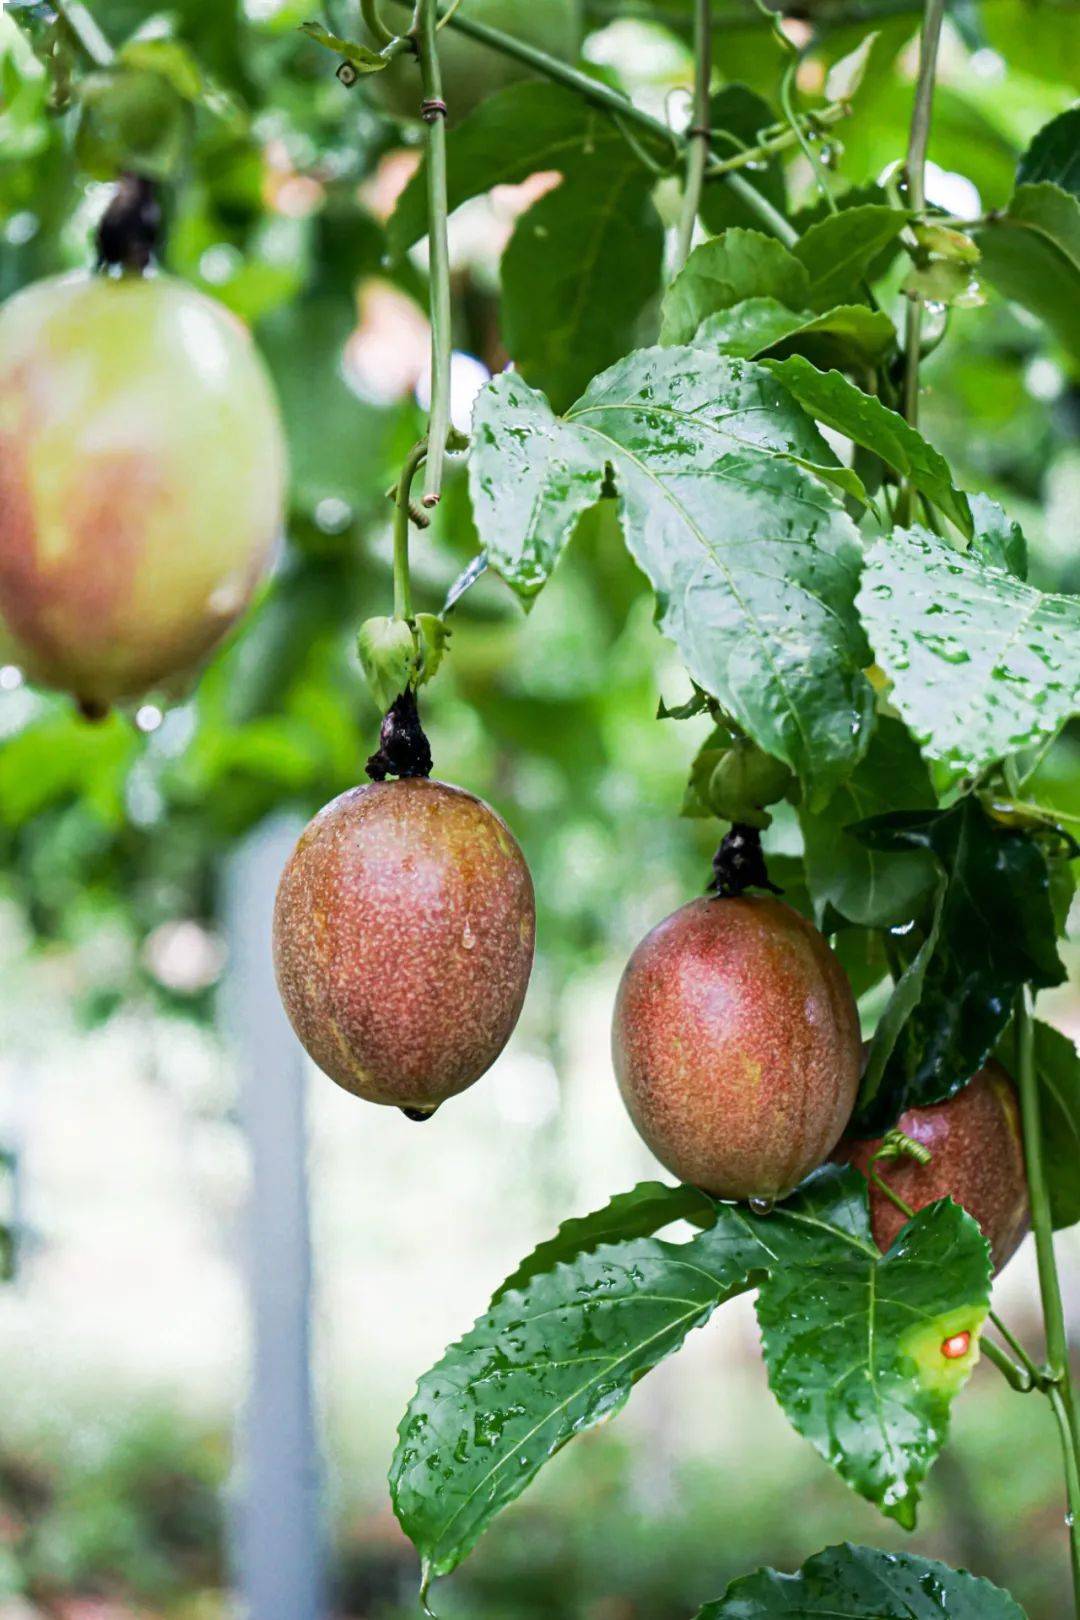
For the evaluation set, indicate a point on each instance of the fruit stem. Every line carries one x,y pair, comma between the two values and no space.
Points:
433,112
915,172
1057,1377
402,583
698,136
1022,1374
739,864
129,231
602,95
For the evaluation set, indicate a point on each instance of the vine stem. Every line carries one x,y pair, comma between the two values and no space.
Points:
1058,1373
698,140
434,114
402,582
369,11
915,170
602,95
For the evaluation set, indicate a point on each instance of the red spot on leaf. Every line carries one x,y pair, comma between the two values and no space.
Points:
956,1346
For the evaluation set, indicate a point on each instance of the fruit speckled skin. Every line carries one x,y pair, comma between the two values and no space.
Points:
403,940
977,1158
736,1046
142,469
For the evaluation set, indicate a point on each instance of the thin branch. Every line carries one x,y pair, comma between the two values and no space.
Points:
434,113
699,139
369,11
402,514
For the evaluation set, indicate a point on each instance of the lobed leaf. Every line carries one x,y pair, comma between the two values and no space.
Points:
861,1583
831,399
982,665
753,561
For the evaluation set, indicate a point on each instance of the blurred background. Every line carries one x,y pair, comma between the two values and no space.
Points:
226,1274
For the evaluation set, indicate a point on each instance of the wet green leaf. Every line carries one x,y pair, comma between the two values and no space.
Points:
839,250
361,57
554,1357
836,402
861,1583
982,665
850,336
645,1210
998,540
846,75
736,265
871,887
995,933
753,561
878,1105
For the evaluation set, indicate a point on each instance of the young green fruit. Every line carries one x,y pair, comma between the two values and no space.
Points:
736,1046
471,71
142,469
403,940
976,1158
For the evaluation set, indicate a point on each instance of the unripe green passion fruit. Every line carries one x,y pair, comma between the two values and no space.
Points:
976,1148
736,1046
403,940
142,471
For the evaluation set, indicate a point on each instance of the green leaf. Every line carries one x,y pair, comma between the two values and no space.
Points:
850,336
523,130
1057,1065
753,561
581,265
981,664
545,1363
388,657
1054,154
735,265
361,57
846,75
1031,253
739,113
861,1583
834,400
998,540
433,634
944,281
839,250
852,1339
554,1357
996,933
645,1210
870,887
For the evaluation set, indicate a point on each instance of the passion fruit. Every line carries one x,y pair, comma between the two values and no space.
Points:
976,1148
403,940
142,469
736,1046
